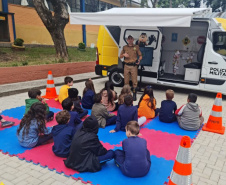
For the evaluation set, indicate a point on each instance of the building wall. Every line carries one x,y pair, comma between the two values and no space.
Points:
0,5
30,28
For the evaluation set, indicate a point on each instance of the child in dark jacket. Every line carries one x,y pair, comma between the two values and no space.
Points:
88,94
87,153
34,97
134,160
100,112
127,112
168,108
74,121
73,94
62,135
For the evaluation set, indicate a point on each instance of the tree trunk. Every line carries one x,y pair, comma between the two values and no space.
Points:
55,23
59,43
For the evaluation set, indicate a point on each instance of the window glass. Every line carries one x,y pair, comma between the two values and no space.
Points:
219,42
143,38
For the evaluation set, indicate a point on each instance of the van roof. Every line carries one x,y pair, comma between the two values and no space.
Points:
164,17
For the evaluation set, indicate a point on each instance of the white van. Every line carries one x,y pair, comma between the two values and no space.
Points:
181,47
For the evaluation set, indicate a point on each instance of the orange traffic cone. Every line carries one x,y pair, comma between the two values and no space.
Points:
50,87
214,123
182,169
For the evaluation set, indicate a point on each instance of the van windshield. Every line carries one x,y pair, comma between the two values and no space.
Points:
219,42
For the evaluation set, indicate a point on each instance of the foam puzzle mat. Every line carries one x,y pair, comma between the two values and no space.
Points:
163,140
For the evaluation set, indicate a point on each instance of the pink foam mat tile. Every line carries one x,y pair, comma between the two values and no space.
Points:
44,156
161,144
17,122
54,104
146,122
52,123
108,146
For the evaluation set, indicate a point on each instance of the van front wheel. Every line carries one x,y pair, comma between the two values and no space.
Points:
116,78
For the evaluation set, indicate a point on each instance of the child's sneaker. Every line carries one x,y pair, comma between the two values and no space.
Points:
7,123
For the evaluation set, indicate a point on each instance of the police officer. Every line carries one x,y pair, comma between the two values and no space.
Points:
130,52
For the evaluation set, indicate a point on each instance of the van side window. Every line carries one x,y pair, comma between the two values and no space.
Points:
219,42
143,38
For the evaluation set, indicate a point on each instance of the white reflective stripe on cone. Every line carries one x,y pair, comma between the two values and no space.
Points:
184,155
50,77
216,114
180,179
218,102
50,85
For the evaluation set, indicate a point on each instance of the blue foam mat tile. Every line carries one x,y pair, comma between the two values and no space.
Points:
171,128
111,138
9,142
54,109
17,112
111,174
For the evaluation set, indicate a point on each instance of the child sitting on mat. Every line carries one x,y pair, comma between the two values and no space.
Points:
62,134
147,104
189,116
63,93
87,153
127,112
75,120
126,90
134,160
34,97
32,131
73,95
168,108
109,96
99,111
88,94
5,123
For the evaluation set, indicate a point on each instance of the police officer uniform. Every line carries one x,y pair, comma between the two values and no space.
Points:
130,67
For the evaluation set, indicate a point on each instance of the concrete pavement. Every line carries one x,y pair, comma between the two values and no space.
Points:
208,150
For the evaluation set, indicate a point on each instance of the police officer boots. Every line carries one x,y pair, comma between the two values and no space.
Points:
134,94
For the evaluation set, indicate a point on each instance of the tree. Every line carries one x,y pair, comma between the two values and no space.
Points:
124,3
172,3
216,4
179,3
55,23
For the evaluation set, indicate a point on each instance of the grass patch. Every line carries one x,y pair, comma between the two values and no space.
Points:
42,55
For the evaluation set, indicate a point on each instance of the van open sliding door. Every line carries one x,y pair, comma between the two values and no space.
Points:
149,41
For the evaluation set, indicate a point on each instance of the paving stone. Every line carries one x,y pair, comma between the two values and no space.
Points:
33,180
207,171
35,173
48,181
208,149
60,177
22,177
6,182
195,179
46,175
214,177
201,183
8,176
208,181
221,182
201,165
